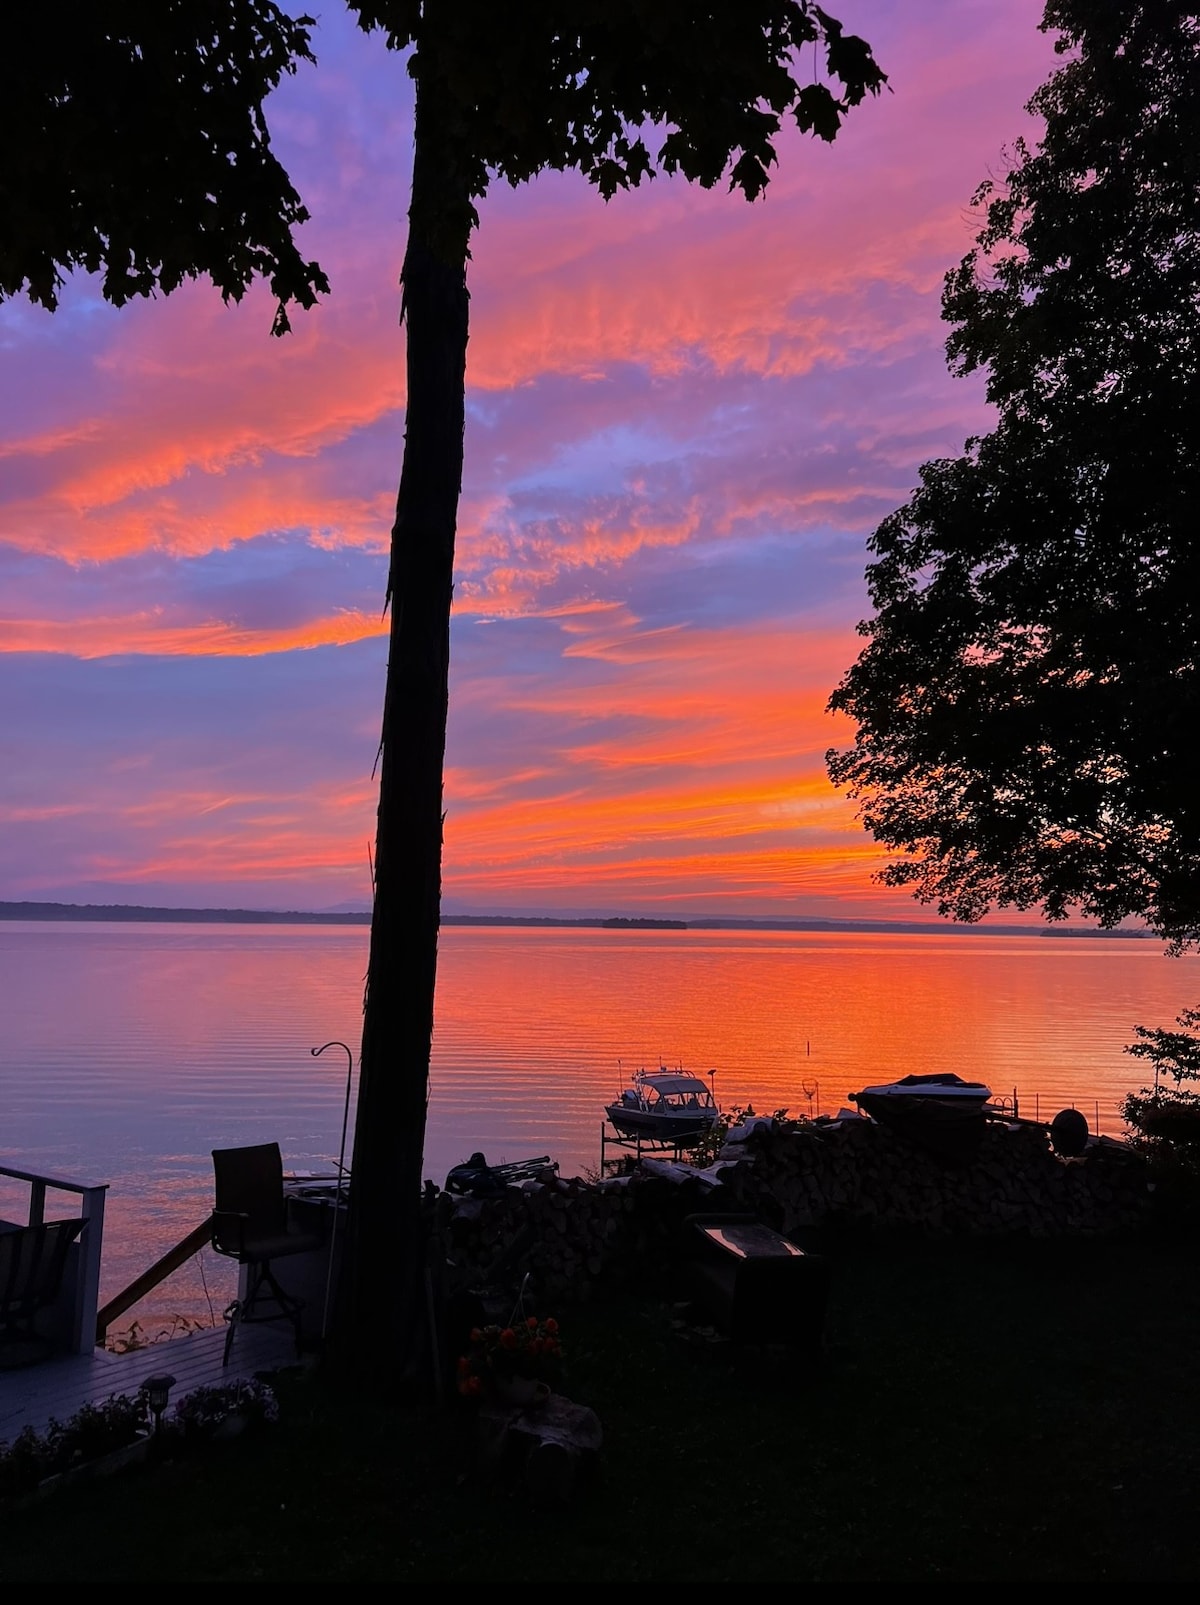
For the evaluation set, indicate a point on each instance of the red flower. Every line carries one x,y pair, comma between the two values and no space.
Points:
508,1338
531,1323
551,1324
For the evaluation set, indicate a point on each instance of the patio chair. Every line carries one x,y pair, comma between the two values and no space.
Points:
250,1225
32,1262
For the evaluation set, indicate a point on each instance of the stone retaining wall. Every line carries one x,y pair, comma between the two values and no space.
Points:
568,1234
858,1173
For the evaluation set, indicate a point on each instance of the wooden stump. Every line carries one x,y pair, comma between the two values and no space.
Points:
551,1446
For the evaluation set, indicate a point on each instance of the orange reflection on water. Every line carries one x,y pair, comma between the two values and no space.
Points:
536,1028
131,1051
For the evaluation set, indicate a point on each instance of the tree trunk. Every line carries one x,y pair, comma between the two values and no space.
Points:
383,1302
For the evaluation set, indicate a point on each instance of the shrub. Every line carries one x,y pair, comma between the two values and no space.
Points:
92,1432
199,1413
1164,1121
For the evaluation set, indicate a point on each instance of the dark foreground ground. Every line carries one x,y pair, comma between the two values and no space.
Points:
977,1411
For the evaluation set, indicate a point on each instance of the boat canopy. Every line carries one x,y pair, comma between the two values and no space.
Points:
668,1085
945,1079
946,1085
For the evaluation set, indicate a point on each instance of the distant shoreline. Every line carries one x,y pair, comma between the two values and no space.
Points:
119,913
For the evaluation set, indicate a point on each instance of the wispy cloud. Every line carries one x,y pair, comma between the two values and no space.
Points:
686,414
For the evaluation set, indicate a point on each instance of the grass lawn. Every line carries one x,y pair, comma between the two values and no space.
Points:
978,1411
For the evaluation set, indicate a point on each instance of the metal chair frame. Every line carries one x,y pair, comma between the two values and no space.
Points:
250,1225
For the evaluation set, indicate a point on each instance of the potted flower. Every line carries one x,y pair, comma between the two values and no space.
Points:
517,1364
223,1410
98,1438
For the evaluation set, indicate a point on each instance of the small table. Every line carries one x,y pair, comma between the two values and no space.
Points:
755,1283
750,1239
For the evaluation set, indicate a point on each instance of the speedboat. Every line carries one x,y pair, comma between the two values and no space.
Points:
941,1112
940,1097
664,1106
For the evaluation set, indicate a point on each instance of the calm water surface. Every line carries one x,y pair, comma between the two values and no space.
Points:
130,1051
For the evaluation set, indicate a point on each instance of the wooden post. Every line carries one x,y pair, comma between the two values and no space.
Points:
87,1272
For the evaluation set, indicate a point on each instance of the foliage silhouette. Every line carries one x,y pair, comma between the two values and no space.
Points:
136,146
1028,699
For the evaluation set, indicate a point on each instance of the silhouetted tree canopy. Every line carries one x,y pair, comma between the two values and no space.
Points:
578,83
134,145
1164,1119
1028,702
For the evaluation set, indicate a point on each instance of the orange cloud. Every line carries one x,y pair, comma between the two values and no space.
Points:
778,879
158,635
192,391
711,773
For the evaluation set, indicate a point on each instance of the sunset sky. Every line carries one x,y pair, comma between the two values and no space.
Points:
685,416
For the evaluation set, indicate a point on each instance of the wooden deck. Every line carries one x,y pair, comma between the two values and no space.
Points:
31,1395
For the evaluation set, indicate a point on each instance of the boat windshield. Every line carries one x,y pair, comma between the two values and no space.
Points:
687,1100
680,1091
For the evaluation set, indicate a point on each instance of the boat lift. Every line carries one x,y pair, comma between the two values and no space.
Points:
655,1148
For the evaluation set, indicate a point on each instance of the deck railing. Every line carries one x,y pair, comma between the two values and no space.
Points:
149,1279
81,1286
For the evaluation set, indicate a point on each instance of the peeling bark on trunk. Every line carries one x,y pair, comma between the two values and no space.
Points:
383,1301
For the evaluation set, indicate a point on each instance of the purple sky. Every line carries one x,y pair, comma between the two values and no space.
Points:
685,416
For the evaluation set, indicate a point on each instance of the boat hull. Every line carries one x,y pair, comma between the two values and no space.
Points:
932,1111
941,1114
681,1129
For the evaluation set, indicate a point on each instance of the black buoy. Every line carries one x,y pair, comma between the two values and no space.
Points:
1069,1133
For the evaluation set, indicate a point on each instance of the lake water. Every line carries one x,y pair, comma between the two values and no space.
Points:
130,1051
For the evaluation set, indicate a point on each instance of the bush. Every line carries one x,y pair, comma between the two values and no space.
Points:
199,1413
708,1149
1164,1121
92,1432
